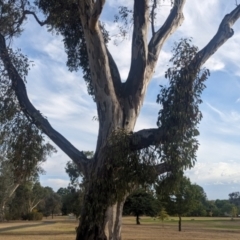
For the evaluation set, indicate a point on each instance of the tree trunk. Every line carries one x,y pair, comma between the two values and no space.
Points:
138,220
101,218
6,199
180,223
107,229
2,212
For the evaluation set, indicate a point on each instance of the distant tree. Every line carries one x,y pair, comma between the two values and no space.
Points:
234,212
52,204
22,149
140,203
181,199
234,198
72,200
76,177
162,214
224,207
26,198
200,208
36,195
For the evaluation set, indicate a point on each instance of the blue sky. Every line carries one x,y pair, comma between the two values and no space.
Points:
62,96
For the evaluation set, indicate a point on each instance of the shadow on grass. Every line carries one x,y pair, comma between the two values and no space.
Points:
25,225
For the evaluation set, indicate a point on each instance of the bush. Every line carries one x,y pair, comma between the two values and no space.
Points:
33,216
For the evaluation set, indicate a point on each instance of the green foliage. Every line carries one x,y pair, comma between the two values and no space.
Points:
180,112
25,201
11,13
181,199
51,204
124,20
162,215
140,203
72,200
234,198
122,170
21,143
73,171
125,168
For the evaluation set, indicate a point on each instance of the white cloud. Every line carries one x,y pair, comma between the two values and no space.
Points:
55,183
215,64
215,173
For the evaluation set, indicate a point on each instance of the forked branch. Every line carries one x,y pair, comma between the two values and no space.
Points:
171,24
19,87
139,44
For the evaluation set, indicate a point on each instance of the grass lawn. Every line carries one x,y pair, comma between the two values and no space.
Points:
62,228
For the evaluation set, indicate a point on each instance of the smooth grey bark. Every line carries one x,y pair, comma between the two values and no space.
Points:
118,104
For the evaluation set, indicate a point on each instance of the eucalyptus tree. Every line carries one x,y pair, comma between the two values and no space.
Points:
115,166
140,202
23,150
184,198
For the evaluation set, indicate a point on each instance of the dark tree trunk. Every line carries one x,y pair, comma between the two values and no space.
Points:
96,226
180,223
138,220
100,219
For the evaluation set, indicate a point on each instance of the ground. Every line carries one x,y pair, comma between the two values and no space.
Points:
63,228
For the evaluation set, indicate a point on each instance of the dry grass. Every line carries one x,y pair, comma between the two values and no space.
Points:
64,229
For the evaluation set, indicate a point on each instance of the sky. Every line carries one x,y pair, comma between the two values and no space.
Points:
62,96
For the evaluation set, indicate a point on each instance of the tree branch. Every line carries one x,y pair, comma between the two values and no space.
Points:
97,10
154,6
162,168
115,73
41,23
139,45
147,137
223,34
19,87
171,24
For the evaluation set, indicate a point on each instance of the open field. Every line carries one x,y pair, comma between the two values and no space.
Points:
63,228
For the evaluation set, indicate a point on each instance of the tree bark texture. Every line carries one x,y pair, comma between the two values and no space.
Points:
118,103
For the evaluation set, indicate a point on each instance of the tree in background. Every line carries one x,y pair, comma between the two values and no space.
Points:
112,170
181,199
224,208
234,198
162,214
72,200
23,147
26,200
140,203
200,208
52,204
72,197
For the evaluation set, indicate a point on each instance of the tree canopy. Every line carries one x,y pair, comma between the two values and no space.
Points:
139,203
